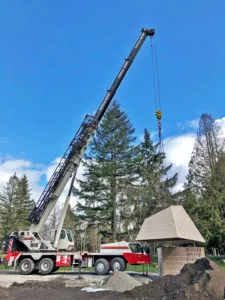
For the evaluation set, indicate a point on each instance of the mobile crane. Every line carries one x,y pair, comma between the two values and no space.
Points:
27,251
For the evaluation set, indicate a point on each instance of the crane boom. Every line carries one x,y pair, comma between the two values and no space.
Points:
73,155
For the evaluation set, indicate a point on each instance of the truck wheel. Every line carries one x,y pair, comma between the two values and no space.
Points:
101,266
46,266
118,264
26,266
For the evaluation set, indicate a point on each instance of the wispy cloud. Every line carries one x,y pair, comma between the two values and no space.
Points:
190,125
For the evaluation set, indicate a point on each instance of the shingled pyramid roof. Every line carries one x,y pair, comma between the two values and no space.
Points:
171,224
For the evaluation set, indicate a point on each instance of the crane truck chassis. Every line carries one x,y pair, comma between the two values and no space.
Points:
113,256
27,250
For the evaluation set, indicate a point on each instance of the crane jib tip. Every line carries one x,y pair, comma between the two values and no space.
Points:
148,31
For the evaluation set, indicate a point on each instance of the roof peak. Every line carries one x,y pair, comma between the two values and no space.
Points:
170,224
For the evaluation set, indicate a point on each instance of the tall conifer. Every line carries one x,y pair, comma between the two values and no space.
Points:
109,173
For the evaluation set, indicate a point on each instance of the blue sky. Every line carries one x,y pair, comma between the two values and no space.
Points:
58,58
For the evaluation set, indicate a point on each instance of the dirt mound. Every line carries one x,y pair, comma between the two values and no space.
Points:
201,280
120,282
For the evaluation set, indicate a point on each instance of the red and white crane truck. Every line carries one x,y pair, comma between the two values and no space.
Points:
28,252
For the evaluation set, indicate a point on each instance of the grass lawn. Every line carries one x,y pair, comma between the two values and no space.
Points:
153,268
219,261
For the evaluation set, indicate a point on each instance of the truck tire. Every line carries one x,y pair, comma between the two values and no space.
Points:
118,264
26,266
101,266
46,266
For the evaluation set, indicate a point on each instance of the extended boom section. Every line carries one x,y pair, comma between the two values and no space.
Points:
128,61
69,162
73,155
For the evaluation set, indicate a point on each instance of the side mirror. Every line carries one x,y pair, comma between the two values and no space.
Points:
147,250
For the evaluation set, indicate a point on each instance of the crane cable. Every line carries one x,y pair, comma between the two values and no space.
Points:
158,113
156,87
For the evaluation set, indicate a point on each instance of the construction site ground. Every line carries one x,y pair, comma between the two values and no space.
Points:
60,285
202,280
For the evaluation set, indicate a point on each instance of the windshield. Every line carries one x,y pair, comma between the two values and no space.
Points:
136,248
62,234
69,235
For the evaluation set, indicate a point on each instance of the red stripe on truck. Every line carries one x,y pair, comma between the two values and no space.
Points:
114,247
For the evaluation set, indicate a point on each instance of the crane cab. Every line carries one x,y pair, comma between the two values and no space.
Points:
66,241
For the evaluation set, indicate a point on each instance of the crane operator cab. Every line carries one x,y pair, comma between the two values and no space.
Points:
66,241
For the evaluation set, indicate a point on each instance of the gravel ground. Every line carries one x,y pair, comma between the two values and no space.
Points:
61,285
51,291
200,281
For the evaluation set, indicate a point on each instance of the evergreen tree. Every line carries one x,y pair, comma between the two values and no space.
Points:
15,205
155,189
211,207
207,149
71,220
8,198
54,218
24,204
204,194
48,230
109,173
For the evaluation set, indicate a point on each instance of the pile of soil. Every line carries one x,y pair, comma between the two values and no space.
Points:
120,282
201,280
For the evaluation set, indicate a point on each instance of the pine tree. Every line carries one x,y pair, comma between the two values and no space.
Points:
48,230
154,190
8,198
15,205
212,206
71,220
24,204
54,218
109,173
